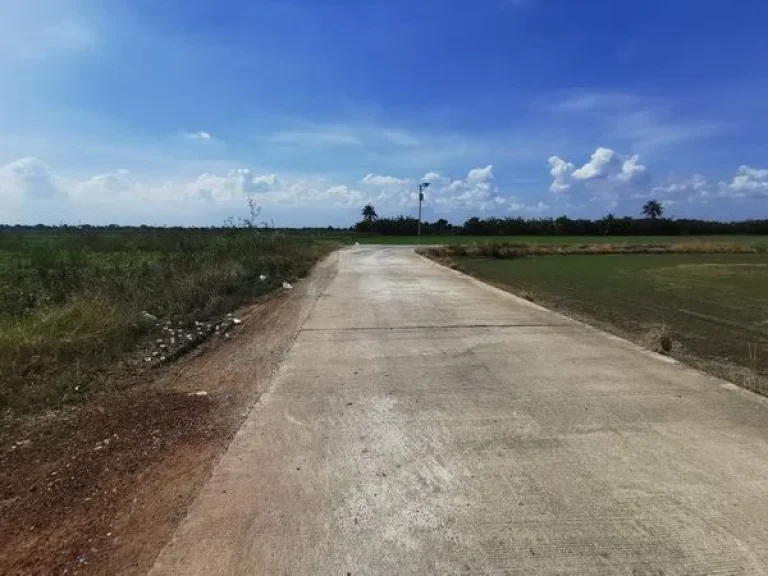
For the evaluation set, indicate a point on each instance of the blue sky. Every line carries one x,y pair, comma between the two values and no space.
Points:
176,112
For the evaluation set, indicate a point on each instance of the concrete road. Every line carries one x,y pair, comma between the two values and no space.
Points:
424,422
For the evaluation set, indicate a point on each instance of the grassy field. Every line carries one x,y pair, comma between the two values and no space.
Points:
459,239
75,304
712,309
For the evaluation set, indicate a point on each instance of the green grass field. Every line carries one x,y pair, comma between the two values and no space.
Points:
458,239
76,305
714,308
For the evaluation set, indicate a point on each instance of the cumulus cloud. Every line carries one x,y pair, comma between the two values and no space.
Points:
477,193
435,178
124,197
235,185
561,171
602,161
479,175
749,182
605,165
103,185
27,178
631,169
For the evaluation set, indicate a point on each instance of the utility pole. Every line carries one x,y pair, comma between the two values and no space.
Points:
422,187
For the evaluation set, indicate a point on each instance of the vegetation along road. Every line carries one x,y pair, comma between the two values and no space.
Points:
425,422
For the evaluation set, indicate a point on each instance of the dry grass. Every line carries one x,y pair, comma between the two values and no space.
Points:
658,338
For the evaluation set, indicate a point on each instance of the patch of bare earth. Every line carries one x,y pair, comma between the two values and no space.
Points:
100,487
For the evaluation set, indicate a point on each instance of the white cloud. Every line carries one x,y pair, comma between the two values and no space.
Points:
434,178
43,29
605,166
631,169
103,185
236,185
479,175
200,136
696,185
647,123
477,193
313,138
749,182
27,179
376,180
561,172
602,162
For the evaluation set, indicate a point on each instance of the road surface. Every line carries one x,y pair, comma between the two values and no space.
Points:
424,422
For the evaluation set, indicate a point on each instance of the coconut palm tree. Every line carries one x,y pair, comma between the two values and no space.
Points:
653,209
369,213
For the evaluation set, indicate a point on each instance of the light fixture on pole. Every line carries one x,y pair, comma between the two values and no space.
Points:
422,187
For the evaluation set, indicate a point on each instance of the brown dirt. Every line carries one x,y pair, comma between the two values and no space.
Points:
99,488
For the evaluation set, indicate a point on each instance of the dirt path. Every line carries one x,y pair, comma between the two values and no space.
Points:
424,422
100,488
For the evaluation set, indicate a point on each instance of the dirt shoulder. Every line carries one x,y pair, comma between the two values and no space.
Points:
100,487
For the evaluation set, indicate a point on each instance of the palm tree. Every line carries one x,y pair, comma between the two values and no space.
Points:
369,213
653,209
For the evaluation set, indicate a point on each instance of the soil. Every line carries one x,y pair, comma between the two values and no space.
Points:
100,487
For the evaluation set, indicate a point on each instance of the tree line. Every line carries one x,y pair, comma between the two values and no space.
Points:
652,223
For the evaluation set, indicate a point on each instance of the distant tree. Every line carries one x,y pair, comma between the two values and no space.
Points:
653,209
369,213
606,224
441,225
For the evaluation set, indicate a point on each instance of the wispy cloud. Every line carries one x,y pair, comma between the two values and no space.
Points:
645,123
70,34
200,136
314,138
43,29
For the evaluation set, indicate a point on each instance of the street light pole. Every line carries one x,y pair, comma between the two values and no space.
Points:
422,187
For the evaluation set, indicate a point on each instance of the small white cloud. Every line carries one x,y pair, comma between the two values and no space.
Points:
434,178
631,169
200,136
376,180
481,174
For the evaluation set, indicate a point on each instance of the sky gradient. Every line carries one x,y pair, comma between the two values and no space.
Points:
176,112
